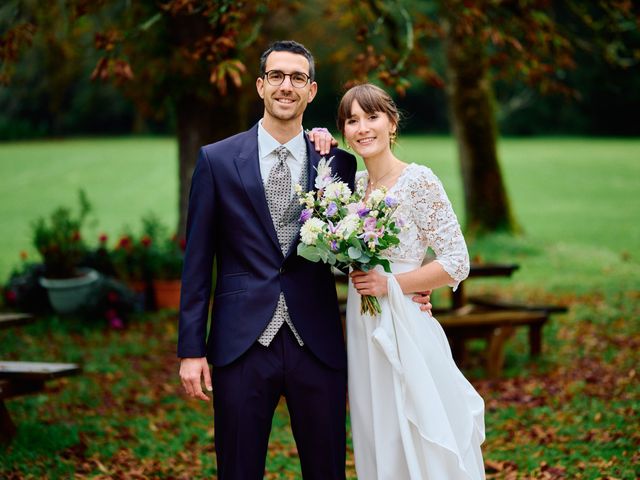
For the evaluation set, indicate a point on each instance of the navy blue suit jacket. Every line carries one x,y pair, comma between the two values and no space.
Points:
228,218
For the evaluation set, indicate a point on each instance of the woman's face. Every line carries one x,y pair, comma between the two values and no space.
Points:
368,133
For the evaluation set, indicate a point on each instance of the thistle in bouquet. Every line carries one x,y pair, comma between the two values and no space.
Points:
345,229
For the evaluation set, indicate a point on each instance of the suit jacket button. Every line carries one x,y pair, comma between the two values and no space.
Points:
281,269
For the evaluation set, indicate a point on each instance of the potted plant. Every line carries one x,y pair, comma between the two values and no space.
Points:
169,257
151,263
59,241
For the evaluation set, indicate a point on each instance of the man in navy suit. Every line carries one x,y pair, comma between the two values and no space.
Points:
275,326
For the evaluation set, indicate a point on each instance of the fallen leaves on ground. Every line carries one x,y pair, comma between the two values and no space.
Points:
573,414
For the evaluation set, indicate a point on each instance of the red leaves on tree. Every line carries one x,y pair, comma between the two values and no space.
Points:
11,42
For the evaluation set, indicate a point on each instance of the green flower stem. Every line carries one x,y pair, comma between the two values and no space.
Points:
369,305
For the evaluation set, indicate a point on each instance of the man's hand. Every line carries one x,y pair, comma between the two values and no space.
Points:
424,299
322,140
191,372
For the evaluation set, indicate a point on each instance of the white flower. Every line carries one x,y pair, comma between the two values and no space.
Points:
308,200
337,191
310,230
298,188
348,225
376,197
354,207
324,177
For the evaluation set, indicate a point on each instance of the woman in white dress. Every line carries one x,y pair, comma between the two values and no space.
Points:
413,414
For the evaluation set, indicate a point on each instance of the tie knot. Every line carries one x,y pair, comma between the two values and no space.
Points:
282,153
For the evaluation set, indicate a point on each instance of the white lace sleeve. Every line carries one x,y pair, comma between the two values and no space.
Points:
438,225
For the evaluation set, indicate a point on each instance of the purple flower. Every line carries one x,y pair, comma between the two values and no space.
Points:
372,235
363,212
305,215
116,323
332,209
390,202
368,236
334,245
370,224
114,320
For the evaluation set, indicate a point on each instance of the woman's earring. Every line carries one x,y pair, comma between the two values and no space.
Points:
392,137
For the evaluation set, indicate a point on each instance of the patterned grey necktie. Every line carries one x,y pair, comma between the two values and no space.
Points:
278,193
278,190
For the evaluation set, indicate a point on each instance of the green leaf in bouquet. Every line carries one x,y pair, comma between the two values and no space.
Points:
365,267
327,257
380,261
385,264
392,240
343,258
354,241
364,258
309,252
354,253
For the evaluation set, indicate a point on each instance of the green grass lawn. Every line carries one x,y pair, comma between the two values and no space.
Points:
576,198
123,178
572,414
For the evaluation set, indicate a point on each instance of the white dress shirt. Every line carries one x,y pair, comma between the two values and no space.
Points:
297,154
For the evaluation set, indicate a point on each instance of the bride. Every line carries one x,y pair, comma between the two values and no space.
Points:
413,414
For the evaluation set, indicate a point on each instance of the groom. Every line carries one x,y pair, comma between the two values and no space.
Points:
275,327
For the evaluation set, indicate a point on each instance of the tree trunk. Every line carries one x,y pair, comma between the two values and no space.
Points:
203,115
200,122
471,106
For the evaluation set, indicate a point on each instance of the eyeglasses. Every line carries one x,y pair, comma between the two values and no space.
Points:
276,78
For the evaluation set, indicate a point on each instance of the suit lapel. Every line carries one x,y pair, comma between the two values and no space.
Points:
248,166
313,158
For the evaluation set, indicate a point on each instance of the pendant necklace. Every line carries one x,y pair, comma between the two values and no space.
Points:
373,184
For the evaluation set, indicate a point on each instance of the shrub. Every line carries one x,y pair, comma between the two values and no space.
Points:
59,241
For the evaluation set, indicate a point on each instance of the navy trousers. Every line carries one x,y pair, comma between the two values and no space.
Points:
246,394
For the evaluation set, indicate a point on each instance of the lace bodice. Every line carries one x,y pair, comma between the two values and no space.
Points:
429,221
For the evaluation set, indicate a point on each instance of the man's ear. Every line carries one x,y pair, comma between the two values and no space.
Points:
260,86
312,92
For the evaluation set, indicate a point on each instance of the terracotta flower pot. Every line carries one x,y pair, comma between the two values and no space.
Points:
167,293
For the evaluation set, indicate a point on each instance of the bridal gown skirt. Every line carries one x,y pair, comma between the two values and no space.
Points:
413,414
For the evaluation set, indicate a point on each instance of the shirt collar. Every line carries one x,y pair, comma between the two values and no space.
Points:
267,144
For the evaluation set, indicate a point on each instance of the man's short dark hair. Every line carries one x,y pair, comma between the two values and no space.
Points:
288,46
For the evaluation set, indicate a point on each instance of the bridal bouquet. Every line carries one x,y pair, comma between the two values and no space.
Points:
343,229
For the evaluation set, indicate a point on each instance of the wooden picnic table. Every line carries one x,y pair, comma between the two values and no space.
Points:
481,270
8,320
23,378
492,319
486,317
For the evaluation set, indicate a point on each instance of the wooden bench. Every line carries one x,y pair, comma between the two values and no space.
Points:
490,301
496,326
23,378
484,317
8,320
